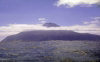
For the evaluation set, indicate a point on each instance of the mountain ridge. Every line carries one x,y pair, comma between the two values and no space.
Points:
45,35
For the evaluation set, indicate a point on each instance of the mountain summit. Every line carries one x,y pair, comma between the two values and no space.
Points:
50,25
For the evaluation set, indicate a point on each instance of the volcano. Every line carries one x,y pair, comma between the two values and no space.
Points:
46,35
50,46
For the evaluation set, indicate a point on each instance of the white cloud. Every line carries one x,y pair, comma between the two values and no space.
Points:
72,3
95,21
42,20
92,27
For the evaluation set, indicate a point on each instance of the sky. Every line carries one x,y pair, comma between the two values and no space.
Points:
77,15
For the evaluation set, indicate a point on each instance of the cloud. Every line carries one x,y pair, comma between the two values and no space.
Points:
42,20
95,21
72,3
92,27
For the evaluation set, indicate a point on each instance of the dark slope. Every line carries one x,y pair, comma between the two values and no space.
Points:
44,35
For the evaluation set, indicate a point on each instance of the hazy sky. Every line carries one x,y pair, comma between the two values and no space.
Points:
28,12
72,14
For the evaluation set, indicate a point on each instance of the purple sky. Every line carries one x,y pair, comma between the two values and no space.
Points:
81,16
28,12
